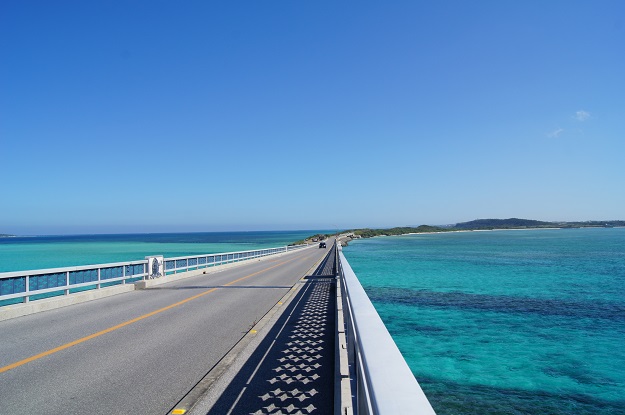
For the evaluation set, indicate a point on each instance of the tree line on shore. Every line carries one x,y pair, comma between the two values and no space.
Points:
475,225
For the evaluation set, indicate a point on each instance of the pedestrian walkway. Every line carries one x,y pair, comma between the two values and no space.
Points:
292,371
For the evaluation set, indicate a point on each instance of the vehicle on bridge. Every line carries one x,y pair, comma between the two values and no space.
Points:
322,244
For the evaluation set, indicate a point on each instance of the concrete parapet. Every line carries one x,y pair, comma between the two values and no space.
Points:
19,310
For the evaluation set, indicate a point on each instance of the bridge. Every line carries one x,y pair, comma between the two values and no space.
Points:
285,330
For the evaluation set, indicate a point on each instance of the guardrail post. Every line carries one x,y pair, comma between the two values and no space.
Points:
97,286
67,283
27,283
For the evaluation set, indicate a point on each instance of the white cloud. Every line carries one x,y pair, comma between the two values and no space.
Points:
582,115
556,133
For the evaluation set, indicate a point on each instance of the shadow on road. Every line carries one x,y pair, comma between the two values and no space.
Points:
292,370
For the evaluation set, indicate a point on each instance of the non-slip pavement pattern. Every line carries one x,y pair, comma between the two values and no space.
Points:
328,265
292,370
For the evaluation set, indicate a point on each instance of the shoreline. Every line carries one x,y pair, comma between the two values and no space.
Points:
486,230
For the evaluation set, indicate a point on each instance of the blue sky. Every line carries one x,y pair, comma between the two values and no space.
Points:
149,116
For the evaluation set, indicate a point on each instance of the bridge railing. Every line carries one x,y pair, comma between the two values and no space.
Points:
25,286
382,382
188,263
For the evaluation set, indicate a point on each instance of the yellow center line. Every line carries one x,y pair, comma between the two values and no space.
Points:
129,322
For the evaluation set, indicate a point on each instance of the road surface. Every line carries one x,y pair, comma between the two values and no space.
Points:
142,351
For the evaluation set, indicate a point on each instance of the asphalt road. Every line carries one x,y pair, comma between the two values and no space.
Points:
292,369
157,343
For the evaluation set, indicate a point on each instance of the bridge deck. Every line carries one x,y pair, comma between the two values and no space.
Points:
292,370
142,351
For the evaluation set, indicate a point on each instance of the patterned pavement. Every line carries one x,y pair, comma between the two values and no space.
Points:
292,371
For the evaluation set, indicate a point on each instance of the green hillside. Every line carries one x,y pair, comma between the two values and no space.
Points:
512,223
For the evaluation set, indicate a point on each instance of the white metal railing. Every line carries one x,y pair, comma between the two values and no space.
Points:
44,283
24,286
187,263
382,382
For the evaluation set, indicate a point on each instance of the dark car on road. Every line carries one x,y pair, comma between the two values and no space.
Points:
322,244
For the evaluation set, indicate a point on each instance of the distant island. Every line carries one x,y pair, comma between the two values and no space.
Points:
514,223
474,225
6,235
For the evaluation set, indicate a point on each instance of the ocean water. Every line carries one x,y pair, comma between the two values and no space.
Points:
26,253
505,322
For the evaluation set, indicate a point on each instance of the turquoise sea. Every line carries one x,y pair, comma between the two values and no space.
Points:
38,252
505,322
